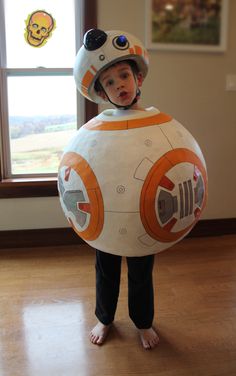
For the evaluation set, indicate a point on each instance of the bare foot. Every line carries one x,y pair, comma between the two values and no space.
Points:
149,338
98,333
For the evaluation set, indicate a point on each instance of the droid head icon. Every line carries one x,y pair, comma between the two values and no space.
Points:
102,49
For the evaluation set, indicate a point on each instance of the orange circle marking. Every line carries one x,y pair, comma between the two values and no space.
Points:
96,207
153,181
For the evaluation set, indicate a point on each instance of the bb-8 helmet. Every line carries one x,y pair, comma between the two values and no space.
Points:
101,49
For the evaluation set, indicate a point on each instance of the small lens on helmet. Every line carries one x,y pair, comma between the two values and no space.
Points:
121,41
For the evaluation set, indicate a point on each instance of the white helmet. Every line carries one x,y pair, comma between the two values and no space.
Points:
100,50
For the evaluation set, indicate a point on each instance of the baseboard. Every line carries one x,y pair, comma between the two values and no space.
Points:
38,238
66,236
214,227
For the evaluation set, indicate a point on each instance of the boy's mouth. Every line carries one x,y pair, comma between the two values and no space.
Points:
123,94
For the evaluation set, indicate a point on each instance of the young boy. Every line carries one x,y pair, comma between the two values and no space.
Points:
118,80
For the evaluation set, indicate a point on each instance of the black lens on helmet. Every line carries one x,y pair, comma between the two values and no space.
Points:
94,39
121,41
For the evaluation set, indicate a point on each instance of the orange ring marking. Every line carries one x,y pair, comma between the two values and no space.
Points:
81,166
148,194
99,125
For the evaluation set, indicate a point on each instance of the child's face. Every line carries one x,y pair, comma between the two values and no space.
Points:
120,84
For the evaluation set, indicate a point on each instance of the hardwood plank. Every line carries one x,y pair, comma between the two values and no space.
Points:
47,309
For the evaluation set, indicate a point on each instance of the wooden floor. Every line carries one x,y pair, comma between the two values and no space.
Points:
47,309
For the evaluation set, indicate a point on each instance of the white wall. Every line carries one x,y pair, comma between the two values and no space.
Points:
190,87
31,213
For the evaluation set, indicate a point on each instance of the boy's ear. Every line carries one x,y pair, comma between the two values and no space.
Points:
103,95
140,79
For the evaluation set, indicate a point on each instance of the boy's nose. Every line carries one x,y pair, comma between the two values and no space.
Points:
120,85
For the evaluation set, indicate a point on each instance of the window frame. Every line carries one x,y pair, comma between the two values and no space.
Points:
36,186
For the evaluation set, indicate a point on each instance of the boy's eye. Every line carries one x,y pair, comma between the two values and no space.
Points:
125,75
109,82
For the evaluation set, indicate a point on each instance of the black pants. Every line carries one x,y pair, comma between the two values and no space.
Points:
140,288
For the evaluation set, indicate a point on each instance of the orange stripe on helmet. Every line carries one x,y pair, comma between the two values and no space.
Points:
131,50
86,81
93,68
138,50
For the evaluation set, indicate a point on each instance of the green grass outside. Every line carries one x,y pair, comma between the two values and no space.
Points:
39,153
43,161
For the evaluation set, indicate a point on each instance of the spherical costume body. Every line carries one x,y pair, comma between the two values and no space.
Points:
132,183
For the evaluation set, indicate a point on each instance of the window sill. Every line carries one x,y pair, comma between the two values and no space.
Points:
19,188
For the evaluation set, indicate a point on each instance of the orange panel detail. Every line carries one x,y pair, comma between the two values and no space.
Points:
95,124
196,173
131,50
197,212
86,81
167,183
148,194
170,225
138,50
67,173
84,206
93,68
95,206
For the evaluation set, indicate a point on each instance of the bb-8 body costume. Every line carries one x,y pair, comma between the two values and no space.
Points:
131,183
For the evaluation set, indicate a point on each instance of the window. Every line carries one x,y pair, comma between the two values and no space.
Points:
39,105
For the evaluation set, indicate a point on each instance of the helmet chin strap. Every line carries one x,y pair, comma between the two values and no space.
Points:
128,106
